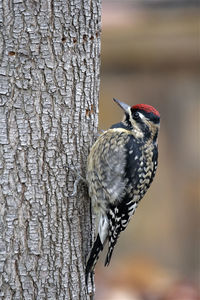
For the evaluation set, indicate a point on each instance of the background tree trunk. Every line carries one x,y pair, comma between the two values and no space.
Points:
49,85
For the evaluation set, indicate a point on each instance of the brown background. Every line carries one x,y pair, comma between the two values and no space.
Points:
150,55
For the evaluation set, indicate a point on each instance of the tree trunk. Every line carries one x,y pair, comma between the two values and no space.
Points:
49,86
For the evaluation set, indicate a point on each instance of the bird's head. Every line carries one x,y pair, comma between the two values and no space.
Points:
142,119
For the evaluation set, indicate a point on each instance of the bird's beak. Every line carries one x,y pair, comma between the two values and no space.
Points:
124,106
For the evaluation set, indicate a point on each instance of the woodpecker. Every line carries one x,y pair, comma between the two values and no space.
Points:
120,168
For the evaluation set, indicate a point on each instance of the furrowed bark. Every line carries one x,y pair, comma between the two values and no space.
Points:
49,86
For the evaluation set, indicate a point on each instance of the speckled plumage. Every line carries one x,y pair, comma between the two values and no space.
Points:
121,167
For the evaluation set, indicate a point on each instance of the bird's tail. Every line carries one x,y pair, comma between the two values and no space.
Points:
98,244
94,255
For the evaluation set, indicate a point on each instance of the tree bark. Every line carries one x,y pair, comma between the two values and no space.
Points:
49,86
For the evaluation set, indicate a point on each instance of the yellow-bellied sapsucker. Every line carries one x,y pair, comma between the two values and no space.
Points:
121,166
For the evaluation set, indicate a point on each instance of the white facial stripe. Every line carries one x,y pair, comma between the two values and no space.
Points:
136,129
141,116
137,132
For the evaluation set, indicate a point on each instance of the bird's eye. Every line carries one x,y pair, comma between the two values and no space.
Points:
136,115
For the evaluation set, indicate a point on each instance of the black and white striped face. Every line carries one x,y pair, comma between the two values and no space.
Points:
142,119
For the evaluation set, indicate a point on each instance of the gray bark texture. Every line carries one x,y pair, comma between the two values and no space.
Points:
49,87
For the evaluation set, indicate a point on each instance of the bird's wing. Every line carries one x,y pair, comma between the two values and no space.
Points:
107,167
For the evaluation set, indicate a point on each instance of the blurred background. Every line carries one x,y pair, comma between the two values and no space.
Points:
150,54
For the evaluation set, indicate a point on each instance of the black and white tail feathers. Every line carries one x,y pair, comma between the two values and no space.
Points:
110,227
98,245
94,255
112,236
95,252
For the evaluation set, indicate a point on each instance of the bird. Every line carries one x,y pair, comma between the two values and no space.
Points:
121,166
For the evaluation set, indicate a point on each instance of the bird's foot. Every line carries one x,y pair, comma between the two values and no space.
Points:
78,179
